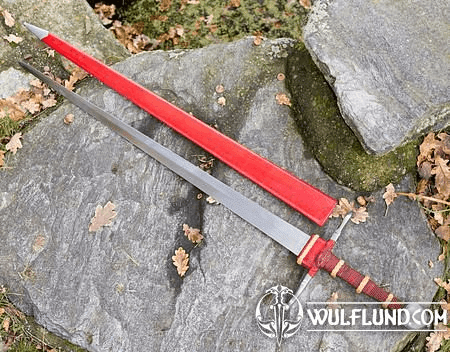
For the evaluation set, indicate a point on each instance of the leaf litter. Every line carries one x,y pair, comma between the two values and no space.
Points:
27,104
433,195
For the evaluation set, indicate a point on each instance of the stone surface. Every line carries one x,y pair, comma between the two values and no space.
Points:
330,139
13,80
73,20
387,63
117,289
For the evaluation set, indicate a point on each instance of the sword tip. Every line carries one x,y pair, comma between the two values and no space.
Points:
38,32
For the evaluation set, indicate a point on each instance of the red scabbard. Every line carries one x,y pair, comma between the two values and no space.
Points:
303,197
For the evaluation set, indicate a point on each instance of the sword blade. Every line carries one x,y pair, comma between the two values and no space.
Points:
275,227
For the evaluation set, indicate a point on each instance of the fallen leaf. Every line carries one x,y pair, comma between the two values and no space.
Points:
105,12
343,208
31,106
359,215
424,170
234,3
14,143
442,176
434,341
361,201
442,284
9,20
77,75
9,108
222,101
103,216
390,194
443,232
181,261
6,323
2,158
427,147
220,89
192,234
211,200
306,3
2,310
68,119
11,38
445,139
258,39
283,99
48,103
422,186
37,83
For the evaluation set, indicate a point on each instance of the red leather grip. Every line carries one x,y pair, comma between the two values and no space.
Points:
303,197
317,254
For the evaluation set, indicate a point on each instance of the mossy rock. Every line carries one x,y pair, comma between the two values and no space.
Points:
330,140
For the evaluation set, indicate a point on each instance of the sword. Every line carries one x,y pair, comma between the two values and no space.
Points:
313,252
303,197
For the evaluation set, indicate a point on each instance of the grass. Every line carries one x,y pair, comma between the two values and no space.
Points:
20,333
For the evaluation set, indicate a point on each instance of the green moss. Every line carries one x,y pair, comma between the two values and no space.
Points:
329,138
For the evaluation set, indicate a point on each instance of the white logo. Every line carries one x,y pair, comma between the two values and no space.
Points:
275,321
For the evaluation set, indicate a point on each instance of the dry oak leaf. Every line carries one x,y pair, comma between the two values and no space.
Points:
442,176
359,215
342,208
443,232
14,143
427,147
305,3
11,109
103,216
76,75
441,283
181,261
192,234
2,158
11,38
434,341
48,103
390,194
105,12
283,99
445,139
9,20
221,101
68,119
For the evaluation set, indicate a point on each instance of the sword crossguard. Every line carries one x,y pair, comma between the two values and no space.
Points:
317,254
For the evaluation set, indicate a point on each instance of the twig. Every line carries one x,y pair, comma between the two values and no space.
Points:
420,197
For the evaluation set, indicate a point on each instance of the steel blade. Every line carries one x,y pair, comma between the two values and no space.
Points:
272,225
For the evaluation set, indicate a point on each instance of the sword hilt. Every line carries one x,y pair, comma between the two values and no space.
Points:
317,254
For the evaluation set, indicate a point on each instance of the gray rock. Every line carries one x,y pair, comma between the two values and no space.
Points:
387,63
117,289
13,80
